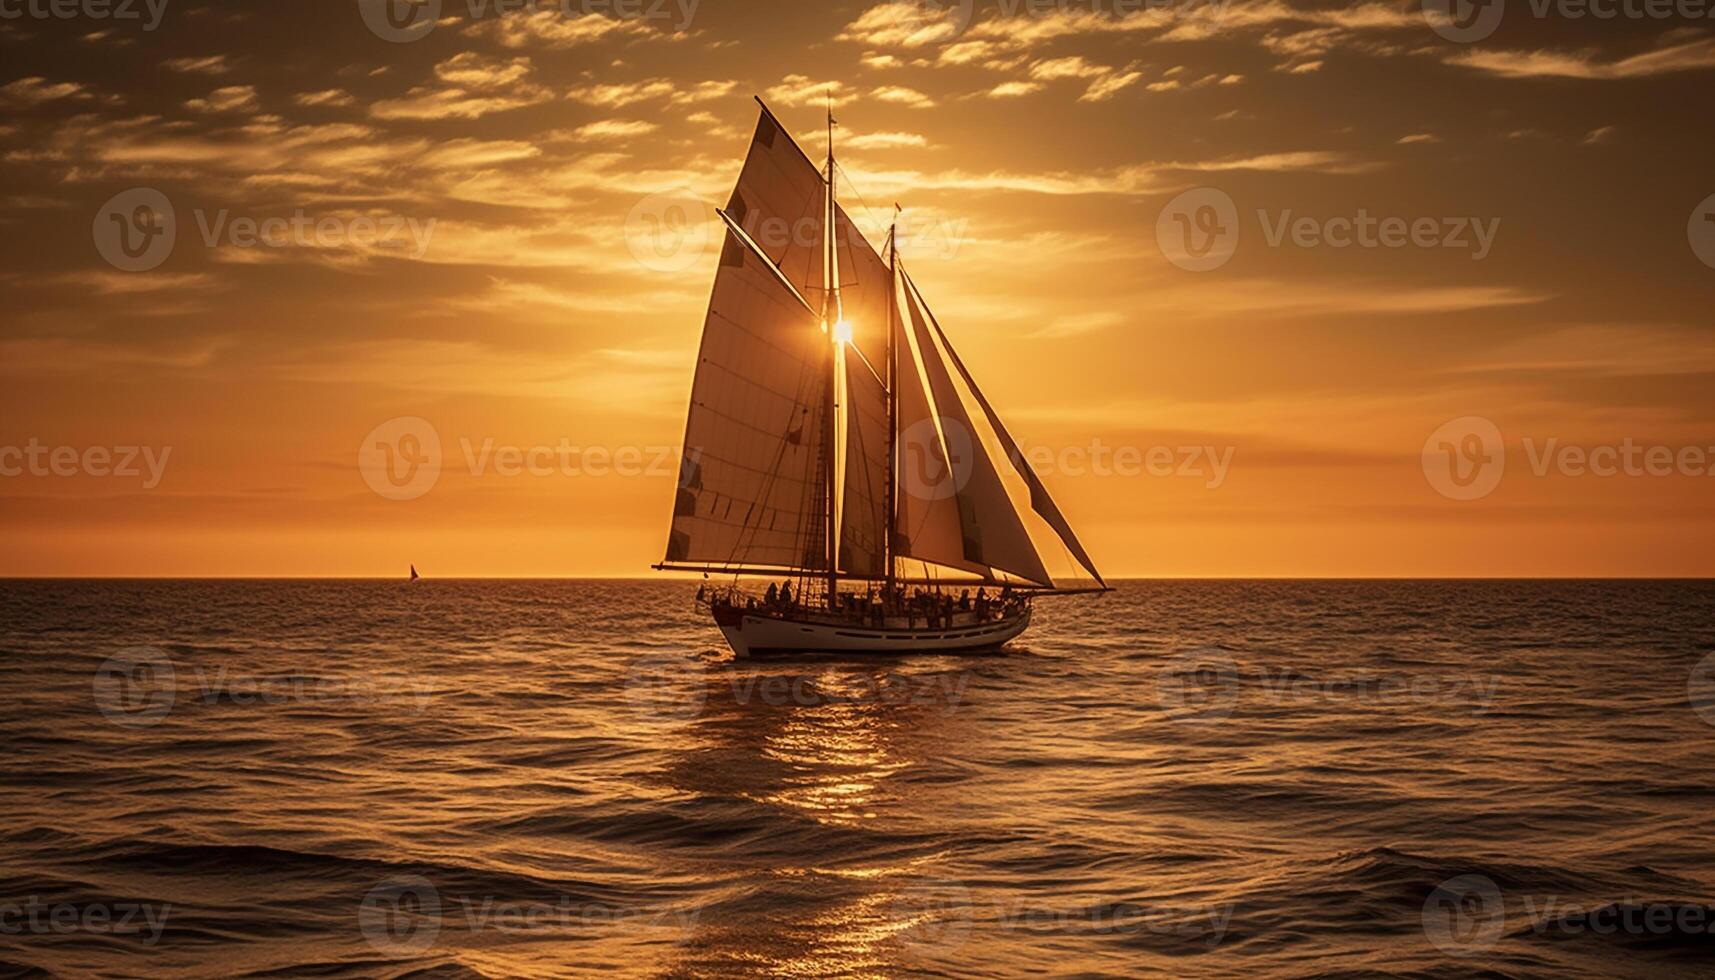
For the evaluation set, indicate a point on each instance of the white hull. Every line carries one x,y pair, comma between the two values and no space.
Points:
761,635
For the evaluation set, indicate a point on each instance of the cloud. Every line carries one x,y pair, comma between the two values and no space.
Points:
797,91
883,141
1137,179
1012,90
1690,56
1104,88
1418,138
327,97
900,95
211,65
1602,134
36,90
127,284
549,27
621,94
901,24
614,129
1275,297
1104,81
233,98
471,86
1082,323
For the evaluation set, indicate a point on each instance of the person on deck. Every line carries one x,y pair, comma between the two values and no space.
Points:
772,595
786,595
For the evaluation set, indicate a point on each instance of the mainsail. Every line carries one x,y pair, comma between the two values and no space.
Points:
903,454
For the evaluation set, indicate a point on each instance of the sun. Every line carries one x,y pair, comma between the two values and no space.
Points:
843,332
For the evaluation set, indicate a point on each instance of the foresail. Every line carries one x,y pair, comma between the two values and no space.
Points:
955,510
865,286
780,202
749,491
1040,501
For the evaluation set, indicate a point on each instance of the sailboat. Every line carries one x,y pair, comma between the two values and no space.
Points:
414,575
837,443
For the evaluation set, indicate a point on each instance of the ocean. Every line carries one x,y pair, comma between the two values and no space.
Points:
277,779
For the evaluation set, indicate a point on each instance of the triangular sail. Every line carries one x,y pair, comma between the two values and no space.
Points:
945,464
1040,501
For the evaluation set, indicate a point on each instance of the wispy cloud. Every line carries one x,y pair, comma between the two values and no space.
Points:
1691,56
470,86
35,90
210,65
233,98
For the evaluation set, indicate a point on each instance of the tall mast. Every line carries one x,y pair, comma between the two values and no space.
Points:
831,291
890,508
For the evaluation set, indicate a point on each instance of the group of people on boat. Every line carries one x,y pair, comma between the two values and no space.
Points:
932,608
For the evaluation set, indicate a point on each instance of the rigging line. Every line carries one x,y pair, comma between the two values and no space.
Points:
869,211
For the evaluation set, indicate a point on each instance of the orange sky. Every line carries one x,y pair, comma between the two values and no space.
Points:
521,165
